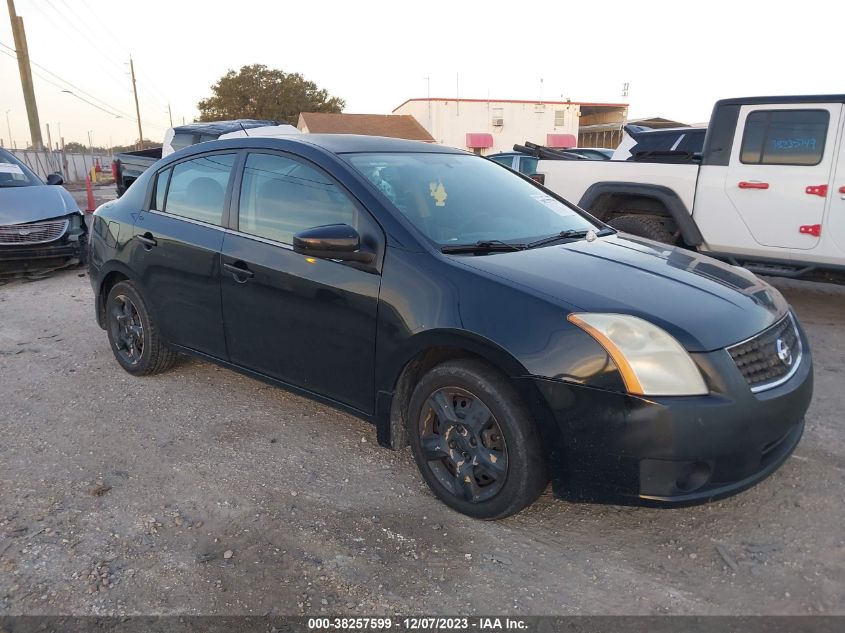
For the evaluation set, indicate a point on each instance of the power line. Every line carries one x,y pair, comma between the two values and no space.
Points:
76,23
71,19
111,110
63,29
49,72
154,92
75,87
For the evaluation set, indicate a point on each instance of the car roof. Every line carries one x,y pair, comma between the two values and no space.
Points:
333,143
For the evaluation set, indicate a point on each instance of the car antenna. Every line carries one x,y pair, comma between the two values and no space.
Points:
243,128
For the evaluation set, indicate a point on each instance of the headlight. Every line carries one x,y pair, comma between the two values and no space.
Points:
651,362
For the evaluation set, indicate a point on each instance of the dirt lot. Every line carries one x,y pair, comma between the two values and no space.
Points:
201,491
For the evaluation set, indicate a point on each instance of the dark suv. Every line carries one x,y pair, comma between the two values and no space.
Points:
505,334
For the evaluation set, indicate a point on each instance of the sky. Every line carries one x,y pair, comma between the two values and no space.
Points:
677,57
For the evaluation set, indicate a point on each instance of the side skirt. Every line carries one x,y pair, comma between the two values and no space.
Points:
277,383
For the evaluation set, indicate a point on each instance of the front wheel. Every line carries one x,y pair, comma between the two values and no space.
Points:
474,442
133,334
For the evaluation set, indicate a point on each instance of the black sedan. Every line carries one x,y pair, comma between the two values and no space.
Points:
41,226
506,335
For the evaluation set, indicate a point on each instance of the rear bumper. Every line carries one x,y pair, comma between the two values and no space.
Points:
676,451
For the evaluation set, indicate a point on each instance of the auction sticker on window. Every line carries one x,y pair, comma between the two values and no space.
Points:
10,168
555,205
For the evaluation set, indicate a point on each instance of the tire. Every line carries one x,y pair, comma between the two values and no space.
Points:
649,226
474,440
133,334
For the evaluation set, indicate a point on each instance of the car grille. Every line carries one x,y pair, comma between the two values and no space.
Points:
771,357
32,233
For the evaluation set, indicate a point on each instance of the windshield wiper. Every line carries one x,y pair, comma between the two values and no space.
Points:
567,234
482,246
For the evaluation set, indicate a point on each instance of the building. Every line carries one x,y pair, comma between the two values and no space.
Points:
393,125
489,126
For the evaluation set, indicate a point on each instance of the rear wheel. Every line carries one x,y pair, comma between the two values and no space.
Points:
474,441
652,227
133,334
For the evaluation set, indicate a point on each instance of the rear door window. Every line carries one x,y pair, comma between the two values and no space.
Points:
198,188
784,137
507,161
528,165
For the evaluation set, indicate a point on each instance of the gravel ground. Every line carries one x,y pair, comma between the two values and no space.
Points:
201,491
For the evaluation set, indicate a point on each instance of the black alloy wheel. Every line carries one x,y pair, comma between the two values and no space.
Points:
133,333
126,329
463,444
474,441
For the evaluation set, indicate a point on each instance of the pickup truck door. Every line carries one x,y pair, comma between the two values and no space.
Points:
780,171
834,226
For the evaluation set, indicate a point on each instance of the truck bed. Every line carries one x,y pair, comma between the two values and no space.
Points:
572,178
130,165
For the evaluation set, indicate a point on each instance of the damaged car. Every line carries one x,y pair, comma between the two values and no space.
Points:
41,226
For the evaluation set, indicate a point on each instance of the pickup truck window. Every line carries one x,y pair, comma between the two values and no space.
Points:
181,140
507,161
198,188
528,165
784,137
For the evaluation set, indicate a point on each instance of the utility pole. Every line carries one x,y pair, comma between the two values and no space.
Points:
137,107
170,114
26,75
9,127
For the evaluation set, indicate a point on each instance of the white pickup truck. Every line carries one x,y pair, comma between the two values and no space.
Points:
767,192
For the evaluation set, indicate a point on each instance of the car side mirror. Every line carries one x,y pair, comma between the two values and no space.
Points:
55,179
332,241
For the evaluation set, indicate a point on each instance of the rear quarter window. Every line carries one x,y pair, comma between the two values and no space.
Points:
784,137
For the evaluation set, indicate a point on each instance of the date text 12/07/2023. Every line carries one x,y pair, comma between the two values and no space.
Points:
417,624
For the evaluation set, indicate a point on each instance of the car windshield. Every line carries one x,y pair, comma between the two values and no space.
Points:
460,199
13,173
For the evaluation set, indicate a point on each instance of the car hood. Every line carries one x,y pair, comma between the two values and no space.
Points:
703,303
19,205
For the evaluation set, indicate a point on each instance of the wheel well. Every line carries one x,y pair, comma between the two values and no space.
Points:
109,282
408,378
610,205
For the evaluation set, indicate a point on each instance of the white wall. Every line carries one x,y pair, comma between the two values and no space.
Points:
449,121
73,167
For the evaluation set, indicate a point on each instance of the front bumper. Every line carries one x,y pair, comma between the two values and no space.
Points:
67,250
675,450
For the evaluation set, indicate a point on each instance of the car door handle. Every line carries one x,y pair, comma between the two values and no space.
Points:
239,271
744,184
147,240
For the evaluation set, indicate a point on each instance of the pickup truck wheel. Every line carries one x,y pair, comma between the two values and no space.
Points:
133,334
649,226
474,441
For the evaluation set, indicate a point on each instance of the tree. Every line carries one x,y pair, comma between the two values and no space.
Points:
258,92
76,148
